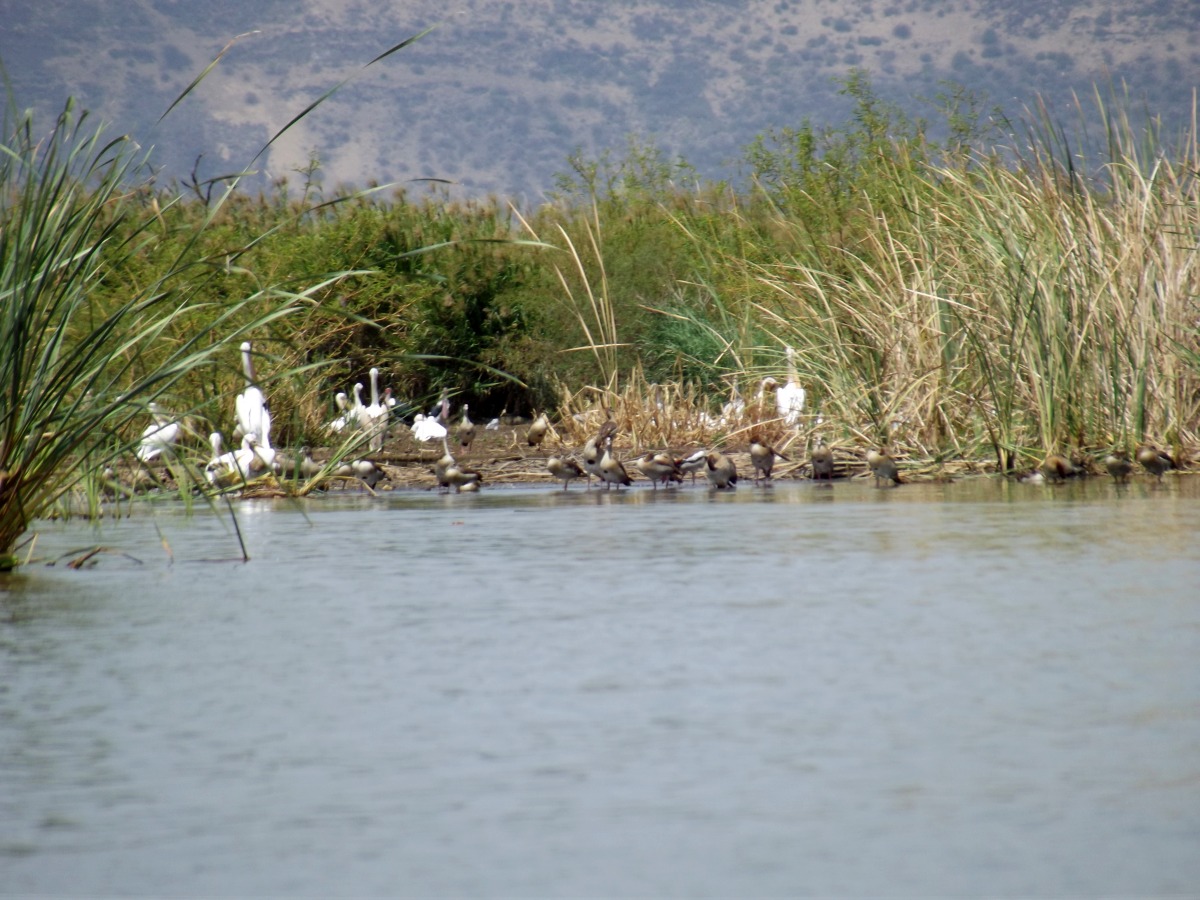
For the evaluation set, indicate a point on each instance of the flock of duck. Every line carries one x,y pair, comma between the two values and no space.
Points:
255,456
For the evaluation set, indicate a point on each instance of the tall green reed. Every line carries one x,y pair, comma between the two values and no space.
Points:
75,372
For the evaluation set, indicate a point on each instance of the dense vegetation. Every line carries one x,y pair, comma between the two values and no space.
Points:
986,297
967,297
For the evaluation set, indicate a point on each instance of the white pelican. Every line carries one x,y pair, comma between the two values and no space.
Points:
427,429
253,416
338,425
733,411
262,456
158,438
357,411
789,397
228,468
374,417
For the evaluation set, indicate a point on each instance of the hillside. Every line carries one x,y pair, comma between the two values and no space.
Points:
499,94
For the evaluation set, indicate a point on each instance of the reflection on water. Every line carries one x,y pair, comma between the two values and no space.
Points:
971,689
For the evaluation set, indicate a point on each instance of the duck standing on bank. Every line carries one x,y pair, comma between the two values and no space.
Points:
1117,465
821,461
659,467
721,472
762,457
883,466
564,470
611,470
1156,462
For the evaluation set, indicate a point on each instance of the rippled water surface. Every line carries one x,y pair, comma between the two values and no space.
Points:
979,689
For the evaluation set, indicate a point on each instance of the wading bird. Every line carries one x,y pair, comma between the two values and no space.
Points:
1056,468
373,418
253,416
1155,461
537,431
611,470
690,465
466,430
822,462
659,467
762,457
721,472
427,429
789,397
883,466
1117,465
564,470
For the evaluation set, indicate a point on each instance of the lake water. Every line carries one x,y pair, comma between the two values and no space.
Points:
973,690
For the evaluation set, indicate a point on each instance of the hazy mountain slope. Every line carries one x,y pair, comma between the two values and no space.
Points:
499,94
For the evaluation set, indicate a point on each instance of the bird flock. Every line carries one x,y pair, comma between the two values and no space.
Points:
369,425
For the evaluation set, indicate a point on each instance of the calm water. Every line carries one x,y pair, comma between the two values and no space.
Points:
974,690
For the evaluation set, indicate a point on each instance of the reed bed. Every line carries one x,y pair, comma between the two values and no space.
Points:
973,304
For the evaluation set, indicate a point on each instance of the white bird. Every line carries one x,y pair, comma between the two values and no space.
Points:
338,425
425,428
357,411
733,411
374,417
697,462
158,438
262,456
228,468
789,397
253,416
493,425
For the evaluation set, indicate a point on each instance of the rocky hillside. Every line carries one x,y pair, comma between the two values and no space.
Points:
499,94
